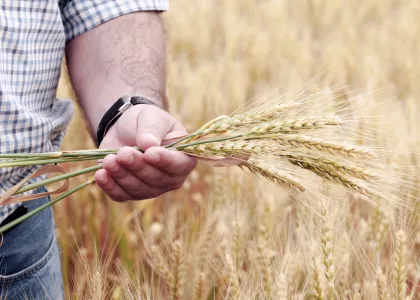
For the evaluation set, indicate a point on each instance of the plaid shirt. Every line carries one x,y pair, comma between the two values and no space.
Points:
33,38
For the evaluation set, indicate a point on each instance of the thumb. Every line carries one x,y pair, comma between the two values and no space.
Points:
153,124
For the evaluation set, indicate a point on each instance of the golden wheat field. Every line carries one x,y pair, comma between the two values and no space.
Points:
228,234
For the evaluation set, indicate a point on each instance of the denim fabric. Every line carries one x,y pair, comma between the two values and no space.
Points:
30,258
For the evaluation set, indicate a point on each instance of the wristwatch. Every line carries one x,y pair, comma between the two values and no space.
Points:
116,110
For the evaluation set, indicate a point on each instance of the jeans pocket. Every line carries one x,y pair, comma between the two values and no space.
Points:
35,267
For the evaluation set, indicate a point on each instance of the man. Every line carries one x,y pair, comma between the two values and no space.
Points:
113,48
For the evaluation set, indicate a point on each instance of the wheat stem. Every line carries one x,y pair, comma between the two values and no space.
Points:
32,162
58,178
46,205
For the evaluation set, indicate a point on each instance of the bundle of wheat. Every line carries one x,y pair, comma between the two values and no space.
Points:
280,132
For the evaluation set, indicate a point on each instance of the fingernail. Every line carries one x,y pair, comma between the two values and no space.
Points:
113,167
153,156
128,159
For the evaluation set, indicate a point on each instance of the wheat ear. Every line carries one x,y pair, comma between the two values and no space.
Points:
237,245
293,125
160,265
265,227
282,287
311,143
233,278
203,247
327,252
274,175
318,292
263,243
334,176
252,117
329,165
178,271
266,272
400,270
199,287
234,147
381,286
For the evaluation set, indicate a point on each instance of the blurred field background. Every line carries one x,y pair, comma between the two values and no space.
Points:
226,235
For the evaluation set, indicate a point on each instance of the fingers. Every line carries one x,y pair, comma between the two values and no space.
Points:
134,162
110,187
177,131
128,175
153,124
131,174
169,161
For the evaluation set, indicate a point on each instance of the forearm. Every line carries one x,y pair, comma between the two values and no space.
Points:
124,56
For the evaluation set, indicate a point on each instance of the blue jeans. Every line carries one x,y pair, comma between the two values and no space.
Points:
30,258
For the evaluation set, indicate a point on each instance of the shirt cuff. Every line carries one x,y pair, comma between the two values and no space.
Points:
80,16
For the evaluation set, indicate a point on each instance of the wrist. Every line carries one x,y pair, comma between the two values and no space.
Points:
116,110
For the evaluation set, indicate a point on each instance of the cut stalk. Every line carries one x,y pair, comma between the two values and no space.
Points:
27,155
183,139
32,162
44,206
58,178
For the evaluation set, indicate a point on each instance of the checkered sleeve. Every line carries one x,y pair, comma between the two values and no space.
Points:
80,16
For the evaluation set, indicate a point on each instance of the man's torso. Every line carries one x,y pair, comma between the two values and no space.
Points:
31,52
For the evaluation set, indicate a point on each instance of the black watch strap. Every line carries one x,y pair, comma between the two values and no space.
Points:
115,111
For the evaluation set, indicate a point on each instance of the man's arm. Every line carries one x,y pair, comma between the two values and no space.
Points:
126,56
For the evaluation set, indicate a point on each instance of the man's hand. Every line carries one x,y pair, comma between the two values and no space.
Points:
126,56
132,175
